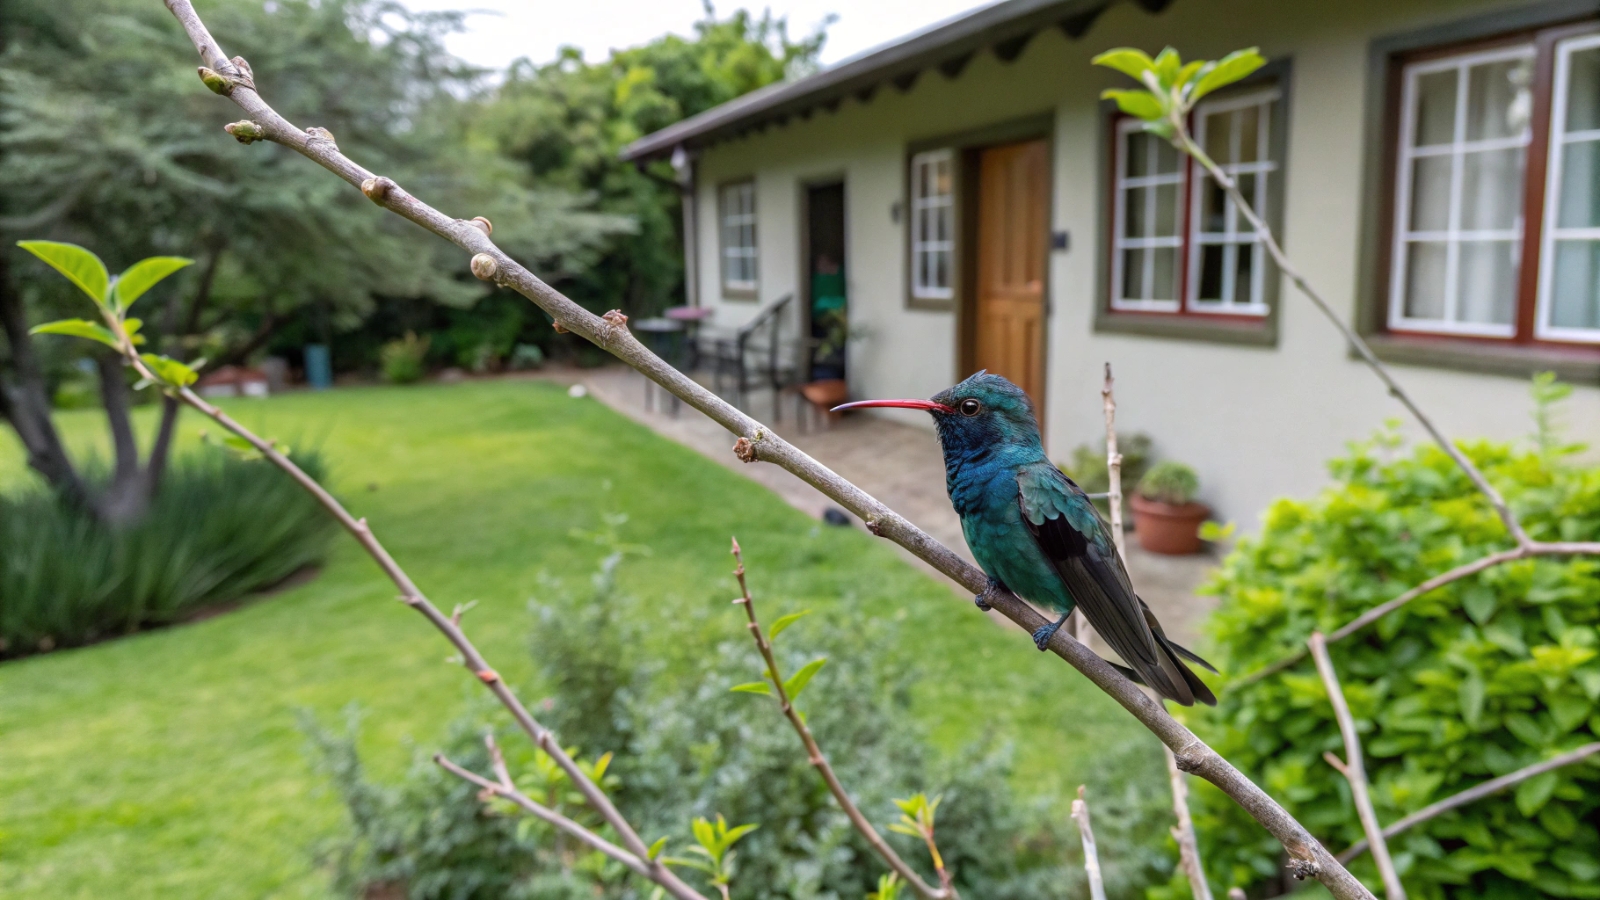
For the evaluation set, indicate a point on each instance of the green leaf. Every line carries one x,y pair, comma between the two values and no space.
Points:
656,848
1479,600
81,267
798,681
1534,793
1139,104
143,275
752,687
1167,63
1471,696
170,370
785,622
1229,69
1130,62
1187,72
734,834
132,326
82,328
704,834
899,828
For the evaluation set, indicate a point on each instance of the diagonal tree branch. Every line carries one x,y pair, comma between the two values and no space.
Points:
819,760
1354,770
1307,858
1474,794
1091,854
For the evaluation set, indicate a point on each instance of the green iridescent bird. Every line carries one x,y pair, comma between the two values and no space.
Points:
1035,533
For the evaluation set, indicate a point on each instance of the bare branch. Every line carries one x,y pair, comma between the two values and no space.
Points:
1357,343
819,760
1091,854
1474,794
1183,832
1307,858
1354,770
504,788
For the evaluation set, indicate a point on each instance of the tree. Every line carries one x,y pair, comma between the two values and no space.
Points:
105,144
566,121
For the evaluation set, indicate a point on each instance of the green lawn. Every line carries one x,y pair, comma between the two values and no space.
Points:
169,764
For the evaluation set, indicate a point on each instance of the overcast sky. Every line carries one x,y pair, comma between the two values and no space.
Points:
507,29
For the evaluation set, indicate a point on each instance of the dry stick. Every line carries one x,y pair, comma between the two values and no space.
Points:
1355,340
1307,858
1474,794
504,787
1354,770
1183,832
819,761
1091,855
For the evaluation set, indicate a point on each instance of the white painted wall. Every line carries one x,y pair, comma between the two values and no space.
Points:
1256,422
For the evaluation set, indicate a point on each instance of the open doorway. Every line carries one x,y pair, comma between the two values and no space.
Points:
827,304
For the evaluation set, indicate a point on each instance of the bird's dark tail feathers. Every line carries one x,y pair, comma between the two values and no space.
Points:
1175,654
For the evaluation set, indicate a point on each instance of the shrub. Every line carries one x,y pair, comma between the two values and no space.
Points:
218,529
1170,482
1088,465
404,360
1473,681
685,747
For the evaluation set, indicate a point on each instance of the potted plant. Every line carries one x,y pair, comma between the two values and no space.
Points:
1165,514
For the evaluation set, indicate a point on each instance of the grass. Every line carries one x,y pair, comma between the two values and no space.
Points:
168,764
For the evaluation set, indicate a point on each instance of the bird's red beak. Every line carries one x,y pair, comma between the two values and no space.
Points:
928,405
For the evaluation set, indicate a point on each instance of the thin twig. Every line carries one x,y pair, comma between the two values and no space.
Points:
819,760
1357,343
1537,548
1354,770
1474,794
1091,855
1306,857
1183,832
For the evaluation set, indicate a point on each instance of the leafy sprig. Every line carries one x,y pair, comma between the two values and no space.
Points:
1171,86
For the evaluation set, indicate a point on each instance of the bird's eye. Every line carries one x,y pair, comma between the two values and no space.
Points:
970,407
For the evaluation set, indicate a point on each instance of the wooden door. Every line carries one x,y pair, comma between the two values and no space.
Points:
1013,212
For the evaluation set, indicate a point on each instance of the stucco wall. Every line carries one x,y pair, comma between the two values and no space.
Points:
1256,422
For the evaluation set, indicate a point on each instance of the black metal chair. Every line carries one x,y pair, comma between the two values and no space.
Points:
760,341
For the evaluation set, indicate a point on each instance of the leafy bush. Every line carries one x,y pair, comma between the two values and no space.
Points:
218,529
404,360
1470,682
686,747
1170,482
1088,465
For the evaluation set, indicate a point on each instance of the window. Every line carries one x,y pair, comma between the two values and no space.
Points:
737,202
932,225
1179,245
1496,228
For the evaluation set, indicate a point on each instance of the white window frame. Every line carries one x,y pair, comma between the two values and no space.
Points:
925,210
1120,241
729,226
1232,238
1459,146
1543,330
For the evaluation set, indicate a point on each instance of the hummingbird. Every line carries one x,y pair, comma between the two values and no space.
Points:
1035,533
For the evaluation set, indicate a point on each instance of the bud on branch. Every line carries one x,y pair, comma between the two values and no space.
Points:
245,131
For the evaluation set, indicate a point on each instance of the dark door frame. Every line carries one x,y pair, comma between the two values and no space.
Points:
803,188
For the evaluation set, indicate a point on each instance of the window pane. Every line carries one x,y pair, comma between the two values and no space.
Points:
942,232
941,268
1166,223
1213,207
1210,272
1491,189
941,183
1430,193
1249,123
1487,282
1425,268
1580,179
1219,137
1164,281
1247,186
1166,155
1133,274
1498,101
1136,159
1134,218
1242,292
1436,108
1575,295
1583,91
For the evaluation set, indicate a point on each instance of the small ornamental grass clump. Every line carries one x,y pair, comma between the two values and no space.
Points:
219,528
1473,681
1172,483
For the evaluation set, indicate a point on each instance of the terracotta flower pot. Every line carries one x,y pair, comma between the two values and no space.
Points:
1164,528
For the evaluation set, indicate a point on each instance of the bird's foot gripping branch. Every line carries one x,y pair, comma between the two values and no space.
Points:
1307,858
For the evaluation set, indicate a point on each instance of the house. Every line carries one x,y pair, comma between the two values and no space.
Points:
1433,166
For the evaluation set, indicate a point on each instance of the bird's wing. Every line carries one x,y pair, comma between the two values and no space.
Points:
1077,542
